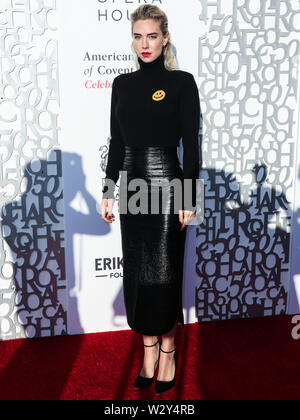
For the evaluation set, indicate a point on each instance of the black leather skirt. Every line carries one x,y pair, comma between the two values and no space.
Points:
152,243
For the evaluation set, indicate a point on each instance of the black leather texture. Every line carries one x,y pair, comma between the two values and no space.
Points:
152,244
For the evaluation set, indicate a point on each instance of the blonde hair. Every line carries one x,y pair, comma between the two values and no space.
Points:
153,12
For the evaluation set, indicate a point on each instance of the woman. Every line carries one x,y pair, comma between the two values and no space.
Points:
151,109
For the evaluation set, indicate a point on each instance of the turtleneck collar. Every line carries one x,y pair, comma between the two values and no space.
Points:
155,66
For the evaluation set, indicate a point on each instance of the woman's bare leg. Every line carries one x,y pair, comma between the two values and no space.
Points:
150,355
166,363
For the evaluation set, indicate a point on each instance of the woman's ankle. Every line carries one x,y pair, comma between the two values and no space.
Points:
150,340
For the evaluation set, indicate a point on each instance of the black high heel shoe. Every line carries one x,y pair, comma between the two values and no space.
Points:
163,386
143,382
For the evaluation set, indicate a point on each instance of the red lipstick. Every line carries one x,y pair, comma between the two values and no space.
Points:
146,54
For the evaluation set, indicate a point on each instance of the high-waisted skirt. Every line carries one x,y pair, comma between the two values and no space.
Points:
152,242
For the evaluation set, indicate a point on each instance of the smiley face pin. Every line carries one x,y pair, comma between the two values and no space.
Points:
159,95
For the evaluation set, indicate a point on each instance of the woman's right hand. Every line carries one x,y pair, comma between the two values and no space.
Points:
106,210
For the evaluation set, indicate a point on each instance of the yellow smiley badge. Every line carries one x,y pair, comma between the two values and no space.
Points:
159,95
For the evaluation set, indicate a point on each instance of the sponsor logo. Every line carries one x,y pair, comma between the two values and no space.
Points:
109,267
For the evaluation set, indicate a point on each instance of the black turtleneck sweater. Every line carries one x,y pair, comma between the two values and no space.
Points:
138,120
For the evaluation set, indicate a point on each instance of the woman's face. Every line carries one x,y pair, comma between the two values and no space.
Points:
148,40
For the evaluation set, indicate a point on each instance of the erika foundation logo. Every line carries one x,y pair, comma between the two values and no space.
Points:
109,267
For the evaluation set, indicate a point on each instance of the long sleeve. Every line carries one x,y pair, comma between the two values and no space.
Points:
116,148
190,124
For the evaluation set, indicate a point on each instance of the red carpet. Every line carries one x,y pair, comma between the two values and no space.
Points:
237,359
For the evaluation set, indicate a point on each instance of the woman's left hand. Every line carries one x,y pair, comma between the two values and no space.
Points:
185,216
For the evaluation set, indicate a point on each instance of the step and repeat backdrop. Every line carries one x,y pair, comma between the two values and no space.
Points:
60,263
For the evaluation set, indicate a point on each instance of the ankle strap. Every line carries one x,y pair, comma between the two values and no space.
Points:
168,351
152,345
